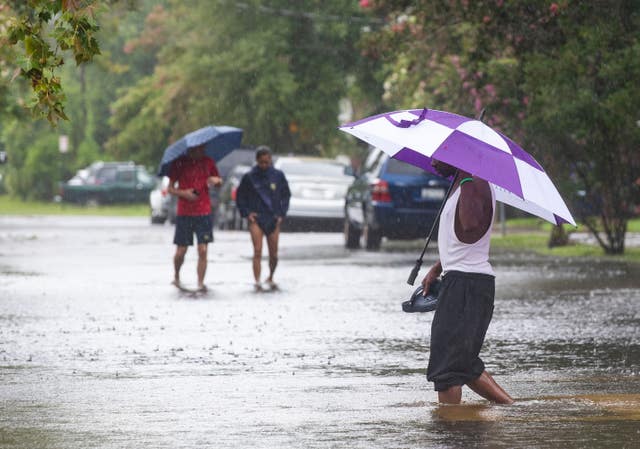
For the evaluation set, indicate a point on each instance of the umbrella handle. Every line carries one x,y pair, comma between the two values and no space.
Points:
416,268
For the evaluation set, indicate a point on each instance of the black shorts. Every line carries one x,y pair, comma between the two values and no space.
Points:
267,223
187,225
465,308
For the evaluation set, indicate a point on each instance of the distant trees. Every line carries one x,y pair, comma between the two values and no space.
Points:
276,68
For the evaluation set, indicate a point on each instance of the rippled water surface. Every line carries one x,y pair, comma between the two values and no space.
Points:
97,350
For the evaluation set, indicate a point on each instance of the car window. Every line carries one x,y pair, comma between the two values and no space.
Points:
106,175
126,176
397,167
312,169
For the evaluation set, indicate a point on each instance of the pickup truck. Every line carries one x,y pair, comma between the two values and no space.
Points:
107,183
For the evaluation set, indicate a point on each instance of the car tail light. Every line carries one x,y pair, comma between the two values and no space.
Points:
234,190
380,192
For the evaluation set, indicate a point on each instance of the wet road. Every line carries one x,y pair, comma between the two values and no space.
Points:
98,350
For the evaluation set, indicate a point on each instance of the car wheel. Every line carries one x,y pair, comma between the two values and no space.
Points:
372,238
351,235
157,220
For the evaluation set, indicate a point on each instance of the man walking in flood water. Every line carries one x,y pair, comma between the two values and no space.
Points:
465,300
193,174
263,198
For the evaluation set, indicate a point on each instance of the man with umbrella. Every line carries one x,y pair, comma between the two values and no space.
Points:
485,165
190,177
465,300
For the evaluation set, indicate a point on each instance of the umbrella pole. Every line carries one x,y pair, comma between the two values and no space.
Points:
416,267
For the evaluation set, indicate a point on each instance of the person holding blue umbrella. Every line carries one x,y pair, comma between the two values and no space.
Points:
190,177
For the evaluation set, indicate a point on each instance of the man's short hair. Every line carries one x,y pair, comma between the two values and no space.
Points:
262,150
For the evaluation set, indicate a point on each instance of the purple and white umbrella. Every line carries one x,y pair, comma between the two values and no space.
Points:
416,136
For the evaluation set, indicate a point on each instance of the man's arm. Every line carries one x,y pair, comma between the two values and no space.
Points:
474,211
187,194
286,195
214,181
242,200
432,275
214,178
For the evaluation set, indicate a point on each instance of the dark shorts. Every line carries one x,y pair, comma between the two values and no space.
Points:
187,225
267,223
465,308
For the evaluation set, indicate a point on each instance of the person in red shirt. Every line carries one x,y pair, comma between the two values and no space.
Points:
189,179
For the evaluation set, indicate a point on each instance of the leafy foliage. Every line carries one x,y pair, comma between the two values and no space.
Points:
275,71
556,76
44,29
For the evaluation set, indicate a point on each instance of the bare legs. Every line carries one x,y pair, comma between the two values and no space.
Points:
489,389
202,264
272,245
484,385
256,239
178,260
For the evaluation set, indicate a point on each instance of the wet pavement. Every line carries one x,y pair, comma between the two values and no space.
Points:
98,350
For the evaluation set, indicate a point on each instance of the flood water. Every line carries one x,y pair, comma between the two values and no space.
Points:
98,350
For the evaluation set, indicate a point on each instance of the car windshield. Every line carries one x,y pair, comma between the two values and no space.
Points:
313,169
402,168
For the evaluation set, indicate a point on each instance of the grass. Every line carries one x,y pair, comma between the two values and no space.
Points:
536,241
15,206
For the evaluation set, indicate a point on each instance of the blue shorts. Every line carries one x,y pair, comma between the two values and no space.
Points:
187,225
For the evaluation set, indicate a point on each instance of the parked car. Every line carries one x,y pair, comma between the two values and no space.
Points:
391,199
318,188
163,204
228,214
108,182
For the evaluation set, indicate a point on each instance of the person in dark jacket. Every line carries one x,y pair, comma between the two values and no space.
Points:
263,198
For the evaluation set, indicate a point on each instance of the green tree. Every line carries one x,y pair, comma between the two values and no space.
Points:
276,71
556,76
90,90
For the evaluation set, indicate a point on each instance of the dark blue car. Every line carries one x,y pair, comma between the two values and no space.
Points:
391,199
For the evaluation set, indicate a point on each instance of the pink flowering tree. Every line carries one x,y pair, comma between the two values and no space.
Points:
556,76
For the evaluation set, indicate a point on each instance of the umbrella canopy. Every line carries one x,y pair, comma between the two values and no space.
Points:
416,136
219,141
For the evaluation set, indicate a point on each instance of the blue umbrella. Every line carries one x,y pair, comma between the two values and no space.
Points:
219,141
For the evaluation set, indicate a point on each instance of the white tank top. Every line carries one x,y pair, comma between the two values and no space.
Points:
459,256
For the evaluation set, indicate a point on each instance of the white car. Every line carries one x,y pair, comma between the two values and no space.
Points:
163,204
318,189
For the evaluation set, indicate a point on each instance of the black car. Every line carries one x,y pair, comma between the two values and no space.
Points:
107,183
391,199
